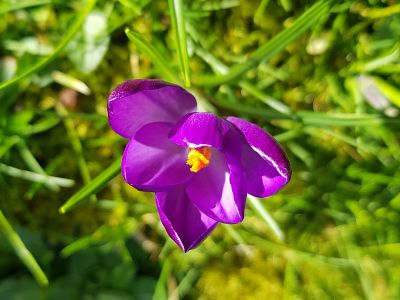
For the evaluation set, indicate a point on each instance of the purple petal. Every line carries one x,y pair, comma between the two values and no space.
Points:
135,103
151,162
267,167
200,129
184,223
219,190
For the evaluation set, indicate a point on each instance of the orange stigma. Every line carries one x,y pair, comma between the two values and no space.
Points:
198,158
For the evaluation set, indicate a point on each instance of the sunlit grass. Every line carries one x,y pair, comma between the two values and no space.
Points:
322,78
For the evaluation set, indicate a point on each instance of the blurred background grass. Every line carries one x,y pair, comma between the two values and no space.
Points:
323,77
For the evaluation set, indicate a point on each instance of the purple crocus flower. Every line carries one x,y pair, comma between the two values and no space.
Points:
200,166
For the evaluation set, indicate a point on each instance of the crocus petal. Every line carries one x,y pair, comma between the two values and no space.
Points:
196,130
267,168
184,223
151,162
135,103
200,129
219,190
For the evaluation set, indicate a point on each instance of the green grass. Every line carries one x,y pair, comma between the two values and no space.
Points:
321,76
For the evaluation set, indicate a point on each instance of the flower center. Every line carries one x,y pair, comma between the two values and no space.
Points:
198,158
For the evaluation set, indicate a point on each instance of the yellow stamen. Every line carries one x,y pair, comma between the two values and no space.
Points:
198,158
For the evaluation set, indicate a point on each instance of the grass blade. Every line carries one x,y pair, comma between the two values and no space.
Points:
153,54
303,154
76,26
220,68
271,102
310,118
286,4
237,238
94,186
288,135
50,169
70,82
318,132
218,5
4,8
161,291
177,12
35,177
262,211
22,252
341,119
187,282
33,164
259,112
76,145
43,124
260,10
6,143
291,285
274,46
304,256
